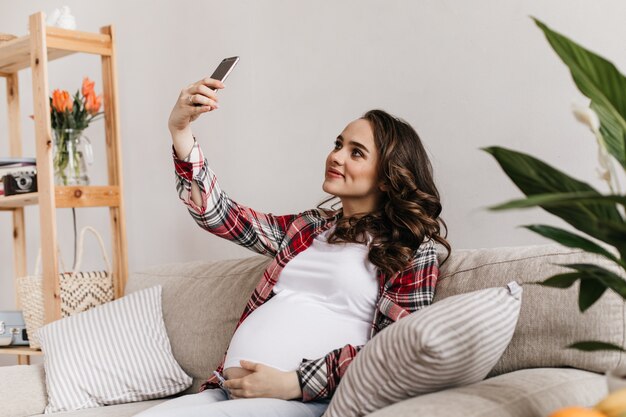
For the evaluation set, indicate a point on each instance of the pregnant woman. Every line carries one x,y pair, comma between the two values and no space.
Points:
337,277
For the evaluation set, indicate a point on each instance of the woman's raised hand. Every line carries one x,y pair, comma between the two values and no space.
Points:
195,99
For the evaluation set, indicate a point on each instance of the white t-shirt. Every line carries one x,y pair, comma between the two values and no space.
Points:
325,298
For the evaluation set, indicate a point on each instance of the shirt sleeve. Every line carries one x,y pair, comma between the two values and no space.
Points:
221,216
319,377
413,288
406,292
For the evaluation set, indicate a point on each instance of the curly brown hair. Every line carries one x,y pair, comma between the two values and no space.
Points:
408,210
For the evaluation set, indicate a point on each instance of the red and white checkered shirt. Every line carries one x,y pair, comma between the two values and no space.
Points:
282,238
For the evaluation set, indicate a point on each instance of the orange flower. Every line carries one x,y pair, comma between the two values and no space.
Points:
88,86
93,103
62,101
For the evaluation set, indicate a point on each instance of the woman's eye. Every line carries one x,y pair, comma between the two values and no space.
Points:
357,152
337,144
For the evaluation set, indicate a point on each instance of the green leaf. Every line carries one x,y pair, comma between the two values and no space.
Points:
607,278
591,346
613,233
562,280
590,291
534,177
612,132
573,240
600,81
561,199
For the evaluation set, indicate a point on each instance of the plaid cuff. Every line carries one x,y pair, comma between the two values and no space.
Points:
320,377
191,166
312,375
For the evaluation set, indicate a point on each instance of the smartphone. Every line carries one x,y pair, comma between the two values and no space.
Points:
223,70
221,382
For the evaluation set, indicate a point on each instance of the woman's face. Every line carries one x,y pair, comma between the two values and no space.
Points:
352,169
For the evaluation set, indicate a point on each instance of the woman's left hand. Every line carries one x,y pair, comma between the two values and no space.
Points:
265,382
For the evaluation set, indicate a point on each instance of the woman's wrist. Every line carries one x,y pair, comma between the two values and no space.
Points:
183,141
293,386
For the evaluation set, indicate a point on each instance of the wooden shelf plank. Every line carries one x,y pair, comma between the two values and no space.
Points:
68,197
77,41
20,350
14,201
15,54
87,196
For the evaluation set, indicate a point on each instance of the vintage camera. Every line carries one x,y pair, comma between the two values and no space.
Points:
12,328
20,182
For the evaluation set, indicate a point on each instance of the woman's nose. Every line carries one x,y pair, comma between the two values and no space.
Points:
336,158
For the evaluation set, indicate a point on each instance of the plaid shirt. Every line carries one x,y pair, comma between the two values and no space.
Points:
282,238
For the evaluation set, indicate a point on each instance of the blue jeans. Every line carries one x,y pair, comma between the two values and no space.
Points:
215,403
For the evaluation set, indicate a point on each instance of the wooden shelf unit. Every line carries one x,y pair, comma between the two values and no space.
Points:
34,51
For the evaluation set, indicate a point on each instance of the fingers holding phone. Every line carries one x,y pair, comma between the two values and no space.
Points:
222,72
204,93
193,100
200,97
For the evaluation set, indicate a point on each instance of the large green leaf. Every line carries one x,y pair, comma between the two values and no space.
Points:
591,345
602,275
533,177
599,80
614,233
612,132
561,199
573,240
560,281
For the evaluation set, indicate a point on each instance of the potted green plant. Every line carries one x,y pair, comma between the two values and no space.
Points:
594,214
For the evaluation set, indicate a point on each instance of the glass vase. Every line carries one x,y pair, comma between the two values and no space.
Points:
71,154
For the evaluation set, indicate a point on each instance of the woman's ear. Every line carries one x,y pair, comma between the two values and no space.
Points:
383,187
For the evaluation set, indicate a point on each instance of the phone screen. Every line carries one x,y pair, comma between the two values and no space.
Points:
224,68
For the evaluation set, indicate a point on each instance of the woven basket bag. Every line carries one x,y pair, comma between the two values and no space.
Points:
79,291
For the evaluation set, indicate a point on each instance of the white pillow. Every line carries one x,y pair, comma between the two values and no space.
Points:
453,342
115,353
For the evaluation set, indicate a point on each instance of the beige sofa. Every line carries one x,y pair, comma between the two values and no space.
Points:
202,302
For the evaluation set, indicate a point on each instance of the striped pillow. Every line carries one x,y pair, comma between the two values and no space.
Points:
453,342
115,353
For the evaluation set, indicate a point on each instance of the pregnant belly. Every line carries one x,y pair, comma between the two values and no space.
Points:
291,327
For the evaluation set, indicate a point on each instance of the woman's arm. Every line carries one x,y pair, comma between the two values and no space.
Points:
195,99
405,293
199,189
215,212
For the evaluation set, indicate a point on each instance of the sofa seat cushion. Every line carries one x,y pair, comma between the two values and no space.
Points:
525,393
119,410
22,390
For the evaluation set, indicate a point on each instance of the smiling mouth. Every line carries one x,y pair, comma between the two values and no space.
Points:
334,174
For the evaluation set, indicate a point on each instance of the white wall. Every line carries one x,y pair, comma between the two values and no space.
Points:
465,74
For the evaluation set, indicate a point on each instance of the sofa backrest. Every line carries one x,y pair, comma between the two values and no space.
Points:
203,300
550,319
